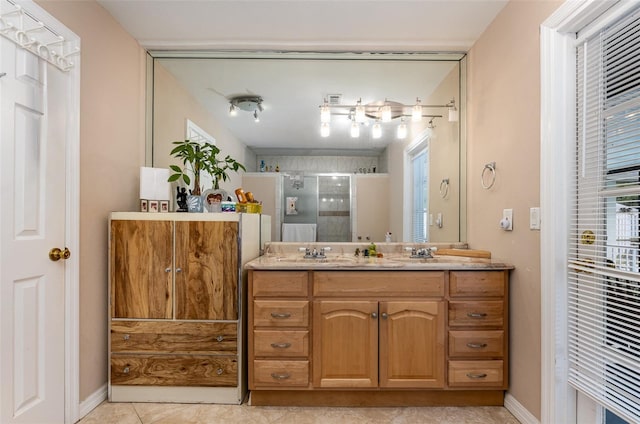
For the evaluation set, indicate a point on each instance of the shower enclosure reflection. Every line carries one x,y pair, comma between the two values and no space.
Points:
319,209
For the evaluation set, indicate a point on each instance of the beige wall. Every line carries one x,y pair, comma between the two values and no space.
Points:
504,126
111,151
172,107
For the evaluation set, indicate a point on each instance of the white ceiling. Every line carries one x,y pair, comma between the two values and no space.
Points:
291,93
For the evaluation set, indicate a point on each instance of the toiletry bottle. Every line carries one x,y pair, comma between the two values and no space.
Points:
262,166
277,167
387,237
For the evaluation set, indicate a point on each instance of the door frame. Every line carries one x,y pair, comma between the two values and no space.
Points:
72,218
557,142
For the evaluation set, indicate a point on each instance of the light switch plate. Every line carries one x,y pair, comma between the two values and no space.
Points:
507,218
534,218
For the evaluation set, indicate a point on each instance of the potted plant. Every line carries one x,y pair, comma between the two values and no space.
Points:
201,157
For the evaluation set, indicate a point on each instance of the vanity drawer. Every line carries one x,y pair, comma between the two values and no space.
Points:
476,374
280,283
477,283
280,373
174,337
280,313
378,283
476,344
174,370
476,314
280,343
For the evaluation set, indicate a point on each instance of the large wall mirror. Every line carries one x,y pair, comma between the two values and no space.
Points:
277,98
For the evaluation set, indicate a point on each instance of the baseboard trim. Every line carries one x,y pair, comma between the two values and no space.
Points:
92,401
521,413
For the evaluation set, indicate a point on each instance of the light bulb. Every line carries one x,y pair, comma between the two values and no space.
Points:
325,113
385,113
453,114
402,130
325,129
233,111
256,118
376,131
355,130
360,115
416,112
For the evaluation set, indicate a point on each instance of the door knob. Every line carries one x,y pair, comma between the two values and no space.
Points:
56,254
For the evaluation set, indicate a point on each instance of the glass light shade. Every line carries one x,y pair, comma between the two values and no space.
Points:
402,131
385,113
376,131
325,114
355,130
325,129
453,114
416,112
360,116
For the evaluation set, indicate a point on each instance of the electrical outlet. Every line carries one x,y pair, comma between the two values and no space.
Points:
507,220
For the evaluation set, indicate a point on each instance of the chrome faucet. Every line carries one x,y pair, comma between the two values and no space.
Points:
425,252
314,253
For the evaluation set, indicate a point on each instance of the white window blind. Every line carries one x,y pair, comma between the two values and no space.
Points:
420,208
603,276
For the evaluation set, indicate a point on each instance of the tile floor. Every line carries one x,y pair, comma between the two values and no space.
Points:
158,413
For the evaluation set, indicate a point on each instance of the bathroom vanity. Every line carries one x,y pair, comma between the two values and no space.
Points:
377,331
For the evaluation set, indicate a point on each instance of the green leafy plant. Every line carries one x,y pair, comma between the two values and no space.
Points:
201,157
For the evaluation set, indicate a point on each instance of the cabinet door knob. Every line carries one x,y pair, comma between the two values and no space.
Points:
219,371
220,338
167,270
384,315
178,270
476,315
126,370
280,315
374,315
282,376
476,345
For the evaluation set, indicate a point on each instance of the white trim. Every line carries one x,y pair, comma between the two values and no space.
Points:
193,129
557,138
92,401
521,413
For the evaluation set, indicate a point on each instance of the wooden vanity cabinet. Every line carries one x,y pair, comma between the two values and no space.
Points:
175,311
401,337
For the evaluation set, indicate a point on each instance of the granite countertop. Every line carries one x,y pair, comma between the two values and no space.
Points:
287,256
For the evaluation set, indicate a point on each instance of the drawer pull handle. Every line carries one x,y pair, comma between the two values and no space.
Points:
219,338
280,315
219,371
476,376
280,345
476,345
126,370
282,376
126,337
476,315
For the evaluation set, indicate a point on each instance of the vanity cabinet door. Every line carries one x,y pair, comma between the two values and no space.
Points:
412,350
141,269
345,343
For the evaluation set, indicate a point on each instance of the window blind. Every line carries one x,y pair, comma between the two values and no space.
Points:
420,171
603,269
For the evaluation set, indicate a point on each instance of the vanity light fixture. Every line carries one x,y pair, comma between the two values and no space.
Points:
381,112
248,103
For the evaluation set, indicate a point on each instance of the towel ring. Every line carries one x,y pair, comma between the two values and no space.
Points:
444,187
491,166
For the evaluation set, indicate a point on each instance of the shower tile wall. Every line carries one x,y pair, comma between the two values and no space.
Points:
334,204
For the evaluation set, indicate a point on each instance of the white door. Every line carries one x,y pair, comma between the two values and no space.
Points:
32,219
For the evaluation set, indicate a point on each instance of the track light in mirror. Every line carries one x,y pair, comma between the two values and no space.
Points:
248,103
382,113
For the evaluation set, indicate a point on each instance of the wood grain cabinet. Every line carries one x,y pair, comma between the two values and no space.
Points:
360,337
175,306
